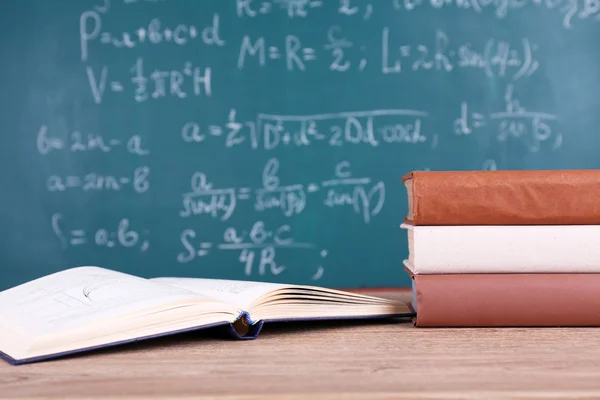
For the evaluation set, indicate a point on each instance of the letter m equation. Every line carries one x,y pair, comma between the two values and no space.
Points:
253,49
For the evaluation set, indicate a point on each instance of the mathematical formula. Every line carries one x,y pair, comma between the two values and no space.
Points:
256,247
568,10
78,141
180,83
187,80
530,127
93,181
360,195
496,57
123,235
374,128
270,131
154,33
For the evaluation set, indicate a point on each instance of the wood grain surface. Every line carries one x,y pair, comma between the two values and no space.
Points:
358,360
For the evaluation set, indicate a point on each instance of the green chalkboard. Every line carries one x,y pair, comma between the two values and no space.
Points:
266,140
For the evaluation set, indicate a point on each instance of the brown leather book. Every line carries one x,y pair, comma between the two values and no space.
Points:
554,197
506,300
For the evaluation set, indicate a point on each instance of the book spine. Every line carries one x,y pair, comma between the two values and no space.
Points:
505,249
506,300
505,197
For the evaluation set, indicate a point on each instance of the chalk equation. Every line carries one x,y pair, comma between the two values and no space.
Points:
364,196
79,141
155,32
291,52
183,82
495,58
532,128
289,8
256,247
270,131
501,9
371,128
568,9
123,235
94,182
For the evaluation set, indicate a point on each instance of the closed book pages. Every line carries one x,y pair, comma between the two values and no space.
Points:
567,197
506,300
503,249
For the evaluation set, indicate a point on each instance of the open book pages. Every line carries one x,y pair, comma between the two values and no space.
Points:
272,301
87,307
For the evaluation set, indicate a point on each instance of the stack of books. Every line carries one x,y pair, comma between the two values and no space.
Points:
504,248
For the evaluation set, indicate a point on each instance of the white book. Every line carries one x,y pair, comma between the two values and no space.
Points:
90,307
503,249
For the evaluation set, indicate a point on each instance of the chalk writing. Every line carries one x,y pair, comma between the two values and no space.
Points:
345,190
292,52
569,9
206,200
361,194
495,58
256,247
154,33
337,44
270,131
123,235
233,131
291,8
350,8
290,199
78,141
354,128
138,181
489,165
171,83
179,83
533,128
299,8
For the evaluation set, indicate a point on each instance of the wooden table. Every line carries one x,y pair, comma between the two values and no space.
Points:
327,360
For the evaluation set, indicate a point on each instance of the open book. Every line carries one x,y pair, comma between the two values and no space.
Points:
85,308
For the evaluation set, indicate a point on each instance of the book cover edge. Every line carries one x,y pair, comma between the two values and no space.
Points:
228,328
